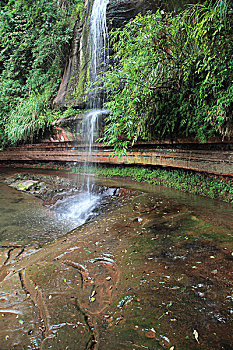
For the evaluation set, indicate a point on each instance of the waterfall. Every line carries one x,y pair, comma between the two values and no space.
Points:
85,202
90,129
99,46
98,43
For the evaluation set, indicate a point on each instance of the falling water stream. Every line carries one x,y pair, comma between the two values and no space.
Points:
80,206
98,35
90,124
90,131
99,47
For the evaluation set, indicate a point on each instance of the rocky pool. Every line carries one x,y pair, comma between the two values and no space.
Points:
151,269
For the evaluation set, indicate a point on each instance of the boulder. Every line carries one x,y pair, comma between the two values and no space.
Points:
23,185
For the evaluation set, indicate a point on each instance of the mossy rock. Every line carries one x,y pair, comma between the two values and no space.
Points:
22,185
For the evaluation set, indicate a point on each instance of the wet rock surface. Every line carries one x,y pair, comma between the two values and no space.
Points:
48,188
54,189
119,12
151,274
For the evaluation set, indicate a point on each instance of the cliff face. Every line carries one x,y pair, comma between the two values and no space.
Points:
74,84
120,11
72,90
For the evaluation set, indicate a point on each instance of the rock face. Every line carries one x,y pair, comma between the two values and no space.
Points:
73,89
73,86
121,11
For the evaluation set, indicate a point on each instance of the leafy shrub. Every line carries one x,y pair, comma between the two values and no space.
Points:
172,75
34,42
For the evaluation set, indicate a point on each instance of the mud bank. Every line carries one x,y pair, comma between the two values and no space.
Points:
151,273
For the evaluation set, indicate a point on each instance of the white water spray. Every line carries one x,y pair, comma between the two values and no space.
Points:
98,37
90,125
98,40
90,130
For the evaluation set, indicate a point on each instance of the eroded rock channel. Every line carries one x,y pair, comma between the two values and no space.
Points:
148,273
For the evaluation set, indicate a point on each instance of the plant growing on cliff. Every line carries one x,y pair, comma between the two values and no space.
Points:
172,75
34,42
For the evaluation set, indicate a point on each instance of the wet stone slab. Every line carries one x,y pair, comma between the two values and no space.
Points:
19,318
149,274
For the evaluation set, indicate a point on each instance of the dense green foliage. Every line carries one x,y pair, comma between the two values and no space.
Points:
34,43
172,75
200,184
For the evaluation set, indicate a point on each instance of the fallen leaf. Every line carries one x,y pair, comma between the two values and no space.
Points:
195,333
36,287
92,299
21,321
93,293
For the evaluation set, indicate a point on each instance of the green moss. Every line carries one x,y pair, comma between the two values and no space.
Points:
79,82
195,183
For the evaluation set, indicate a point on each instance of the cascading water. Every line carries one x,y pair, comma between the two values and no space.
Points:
99,47
86,202
90,131
98,44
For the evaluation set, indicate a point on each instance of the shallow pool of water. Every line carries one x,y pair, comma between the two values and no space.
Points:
154,272
24,220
